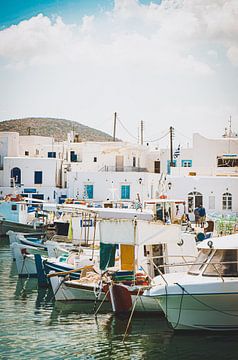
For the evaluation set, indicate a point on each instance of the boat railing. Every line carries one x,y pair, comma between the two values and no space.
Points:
165,264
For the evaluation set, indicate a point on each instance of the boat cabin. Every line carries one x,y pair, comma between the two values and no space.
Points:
218,257
167,211
14,211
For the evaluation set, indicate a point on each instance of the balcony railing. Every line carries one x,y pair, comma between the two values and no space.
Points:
123,169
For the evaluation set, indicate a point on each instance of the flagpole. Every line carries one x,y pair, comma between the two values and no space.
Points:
171,129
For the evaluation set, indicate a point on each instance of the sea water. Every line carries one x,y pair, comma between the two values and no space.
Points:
33,326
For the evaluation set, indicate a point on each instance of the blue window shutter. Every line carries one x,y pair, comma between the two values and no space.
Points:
38,177
125,192
89,189
128,191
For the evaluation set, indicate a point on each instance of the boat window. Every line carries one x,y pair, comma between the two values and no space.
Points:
14,207
200,261
223,263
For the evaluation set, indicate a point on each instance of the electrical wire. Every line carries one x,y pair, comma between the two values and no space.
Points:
128,132
160,138
180,133
136,138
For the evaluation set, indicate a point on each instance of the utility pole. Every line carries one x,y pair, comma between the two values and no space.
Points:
114,126
171,135
229,135
142,132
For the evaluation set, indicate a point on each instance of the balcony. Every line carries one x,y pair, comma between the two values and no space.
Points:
107,168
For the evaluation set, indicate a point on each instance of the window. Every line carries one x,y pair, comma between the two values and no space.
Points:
134,161
223,263
38,177
51,154
125,192
88,192
38,196
26,153
186,163
227,201
73,156
37,152
227,162
95,159
212,202
200,261
14,207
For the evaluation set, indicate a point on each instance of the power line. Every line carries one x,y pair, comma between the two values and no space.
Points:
160,138
128,132
180,133
135,138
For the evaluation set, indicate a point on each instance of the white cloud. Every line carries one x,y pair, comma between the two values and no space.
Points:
145,56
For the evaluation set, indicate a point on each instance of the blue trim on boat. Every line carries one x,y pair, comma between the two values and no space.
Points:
58,268
39,245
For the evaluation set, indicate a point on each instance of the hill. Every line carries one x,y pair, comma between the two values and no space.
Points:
57,128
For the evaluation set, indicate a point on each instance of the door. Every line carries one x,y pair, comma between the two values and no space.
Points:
16,176
157,167
119,163
195,199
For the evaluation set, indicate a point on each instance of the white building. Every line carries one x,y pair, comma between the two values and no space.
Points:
205,173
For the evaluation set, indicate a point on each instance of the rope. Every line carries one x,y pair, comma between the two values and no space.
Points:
132,312
105,296
97,294
180,306
61,283
204,304
23,263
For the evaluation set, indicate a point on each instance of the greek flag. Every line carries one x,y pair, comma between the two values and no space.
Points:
177,152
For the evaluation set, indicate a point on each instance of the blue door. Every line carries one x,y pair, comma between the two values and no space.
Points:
16,175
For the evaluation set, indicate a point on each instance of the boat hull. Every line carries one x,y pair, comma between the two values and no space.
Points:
69,291
6,226
216,312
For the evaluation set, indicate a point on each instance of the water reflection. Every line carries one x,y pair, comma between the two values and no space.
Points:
34,326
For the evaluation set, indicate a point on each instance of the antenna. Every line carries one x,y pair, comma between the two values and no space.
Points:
230,131
142,132
114,126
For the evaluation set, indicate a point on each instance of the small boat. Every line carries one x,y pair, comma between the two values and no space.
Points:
88,288
205,297
14,216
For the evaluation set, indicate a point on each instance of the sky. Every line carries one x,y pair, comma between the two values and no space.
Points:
166,62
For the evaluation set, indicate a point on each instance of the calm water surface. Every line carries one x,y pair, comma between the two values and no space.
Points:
33,326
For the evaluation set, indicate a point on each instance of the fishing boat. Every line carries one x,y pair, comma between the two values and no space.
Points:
205,297
14,216
143,245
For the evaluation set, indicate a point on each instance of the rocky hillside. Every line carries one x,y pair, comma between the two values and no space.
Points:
58,128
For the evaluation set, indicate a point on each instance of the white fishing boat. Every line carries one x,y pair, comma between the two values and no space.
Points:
88,288
205,297
25,259
143,246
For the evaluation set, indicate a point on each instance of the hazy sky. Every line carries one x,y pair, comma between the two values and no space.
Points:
170,62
